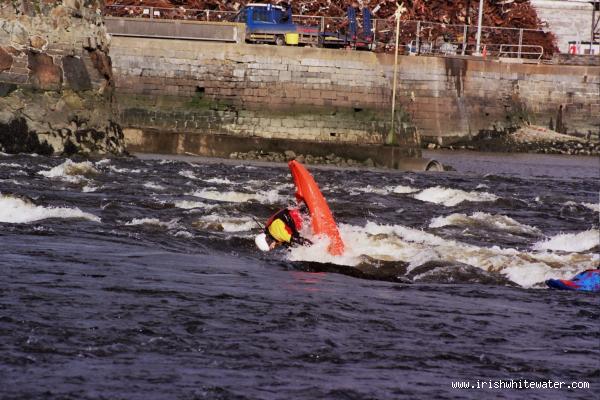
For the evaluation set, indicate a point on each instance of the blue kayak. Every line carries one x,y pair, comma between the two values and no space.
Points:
586,281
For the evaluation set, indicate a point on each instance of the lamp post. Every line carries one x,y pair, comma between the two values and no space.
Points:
479,19
400,9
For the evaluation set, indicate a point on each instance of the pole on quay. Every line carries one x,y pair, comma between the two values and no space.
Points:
391,137
479,19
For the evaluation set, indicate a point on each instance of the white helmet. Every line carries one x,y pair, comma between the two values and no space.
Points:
261,242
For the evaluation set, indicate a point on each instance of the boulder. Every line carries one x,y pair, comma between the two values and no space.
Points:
6,60
7,88
44,74
102,63
19,34
38,42
76,74
289,155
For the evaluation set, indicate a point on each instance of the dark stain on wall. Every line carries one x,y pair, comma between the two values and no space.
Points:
456,68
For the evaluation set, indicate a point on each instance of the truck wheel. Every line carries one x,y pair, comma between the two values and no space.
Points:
279,40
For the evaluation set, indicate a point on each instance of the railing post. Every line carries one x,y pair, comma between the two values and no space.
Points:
151,12
374,29
464,43
207,15
520,42
322,24
418,41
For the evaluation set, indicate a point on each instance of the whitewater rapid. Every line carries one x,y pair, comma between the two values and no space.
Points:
460,225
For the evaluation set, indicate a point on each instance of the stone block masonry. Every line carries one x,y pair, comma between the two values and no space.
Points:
250,91
341,96
56,80
450,98
249,75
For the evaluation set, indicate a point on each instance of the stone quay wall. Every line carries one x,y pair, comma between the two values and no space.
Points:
249,90
327,95
452,98
56,84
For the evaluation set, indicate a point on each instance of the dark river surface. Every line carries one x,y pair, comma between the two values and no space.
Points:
138,279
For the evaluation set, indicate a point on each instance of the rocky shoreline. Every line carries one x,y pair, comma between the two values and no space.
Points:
330,159
530,139
56,83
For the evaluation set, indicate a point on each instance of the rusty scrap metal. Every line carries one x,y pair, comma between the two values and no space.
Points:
451,15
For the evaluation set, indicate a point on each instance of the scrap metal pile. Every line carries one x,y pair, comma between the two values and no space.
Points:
448,17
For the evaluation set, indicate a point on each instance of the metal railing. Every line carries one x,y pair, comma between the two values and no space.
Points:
456,39
179,13
521,51
440,38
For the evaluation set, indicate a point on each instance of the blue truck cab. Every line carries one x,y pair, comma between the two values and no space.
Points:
268,23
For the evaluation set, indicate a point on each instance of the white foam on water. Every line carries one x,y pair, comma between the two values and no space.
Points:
592,206
268,197
400,189
498,222
252,185
573,242
172,224
89,189
482,186
71,171
451,197
124,170
188,205
18,211
11,165
188,174
183,234
104,161
152,185
14,182
416,247
369,189
220,181
226,223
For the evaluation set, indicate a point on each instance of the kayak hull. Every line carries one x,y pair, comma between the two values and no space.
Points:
322,220
586,281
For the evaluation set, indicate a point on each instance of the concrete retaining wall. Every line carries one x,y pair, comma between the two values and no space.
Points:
452,97
341,96
191,30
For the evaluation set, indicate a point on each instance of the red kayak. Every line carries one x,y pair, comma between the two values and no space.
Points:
323,223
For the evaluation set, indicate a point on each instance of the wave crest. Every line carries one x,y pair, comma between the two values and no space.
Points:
451,197
15,210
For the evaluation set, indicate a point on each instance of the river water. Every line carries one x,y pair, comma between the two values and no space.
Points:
137,278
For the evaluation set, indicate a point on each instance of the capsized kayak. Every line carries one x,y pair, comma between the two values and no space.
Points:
322,221
586,281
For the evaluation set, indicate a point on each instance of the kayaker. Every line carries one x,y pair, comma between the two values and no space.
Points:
283,227
586,281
